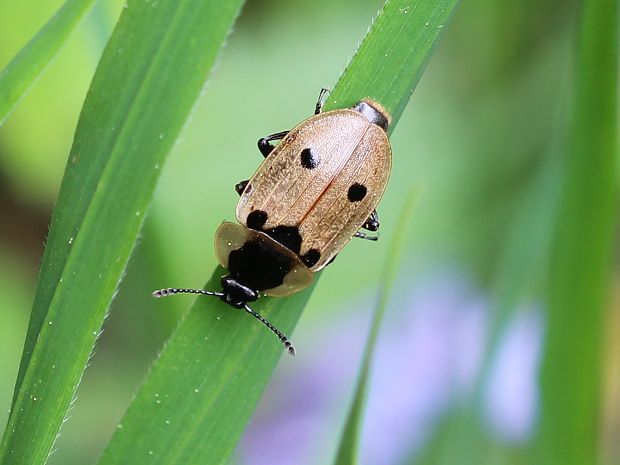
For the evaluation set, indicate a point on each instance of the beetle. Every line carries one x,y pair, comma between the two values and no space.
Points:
313,192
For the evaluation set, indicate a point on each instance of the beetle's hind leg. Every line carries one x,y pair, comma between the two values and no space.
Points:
321,100
371,224
264,143
265,147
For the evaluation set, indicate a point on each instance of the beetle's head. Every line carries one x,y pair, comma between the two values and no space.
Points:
235,293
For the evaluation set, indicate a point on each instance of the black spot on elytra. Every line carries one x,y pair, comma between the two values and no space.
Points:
310,159
256,219
288,236
311,257
356,192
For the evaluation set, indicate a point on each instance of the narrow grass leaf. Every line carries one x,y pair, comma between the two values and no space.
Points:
349,443
198,396
31,60
580,268
149,77
393,55
202,390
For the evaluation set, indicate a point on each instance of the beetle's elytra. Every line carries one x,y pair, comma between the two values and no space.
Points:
315,190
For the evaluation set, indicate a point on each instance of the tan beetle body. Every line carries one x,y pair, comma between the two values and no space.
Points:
310,196
349,150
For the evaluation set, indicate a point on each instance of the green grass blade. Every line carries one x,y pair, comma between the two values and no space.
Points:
31,60
197,398
387,67
349,442
580,271
150,75
228,358
393,55
201,392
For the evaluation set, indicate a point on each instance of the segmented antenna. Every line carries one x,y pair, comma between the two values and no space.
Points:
173,290
287,344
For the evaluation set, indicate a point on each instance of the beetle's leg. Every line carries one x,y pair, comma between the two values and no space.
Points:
264,144
372,223
240,186
362,235
321,100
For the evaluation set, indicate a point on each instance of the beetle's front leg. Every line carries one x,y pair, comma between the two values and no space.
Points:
371,224
361,235
264,143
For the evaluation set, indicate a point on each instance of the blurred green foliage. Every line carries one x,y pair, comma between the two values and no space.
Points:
483,139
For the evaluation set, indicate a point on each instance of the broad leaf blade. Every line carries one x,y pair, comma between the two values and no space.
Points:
149,77
580,269
31,60
198,396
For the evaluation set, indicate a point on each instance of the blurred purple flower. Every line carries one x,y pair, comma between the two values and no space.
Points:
511,394
433,353
295,414
428,357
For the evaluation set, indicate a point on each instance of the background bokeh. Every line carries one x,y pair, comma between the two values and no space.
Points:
481,144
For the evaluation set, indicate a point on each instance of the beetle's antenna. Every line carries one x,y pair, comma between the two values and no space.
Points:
173,290
287,344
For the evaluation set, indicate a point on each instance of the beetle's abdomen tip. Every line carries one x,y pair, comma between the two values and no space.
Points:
374,112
